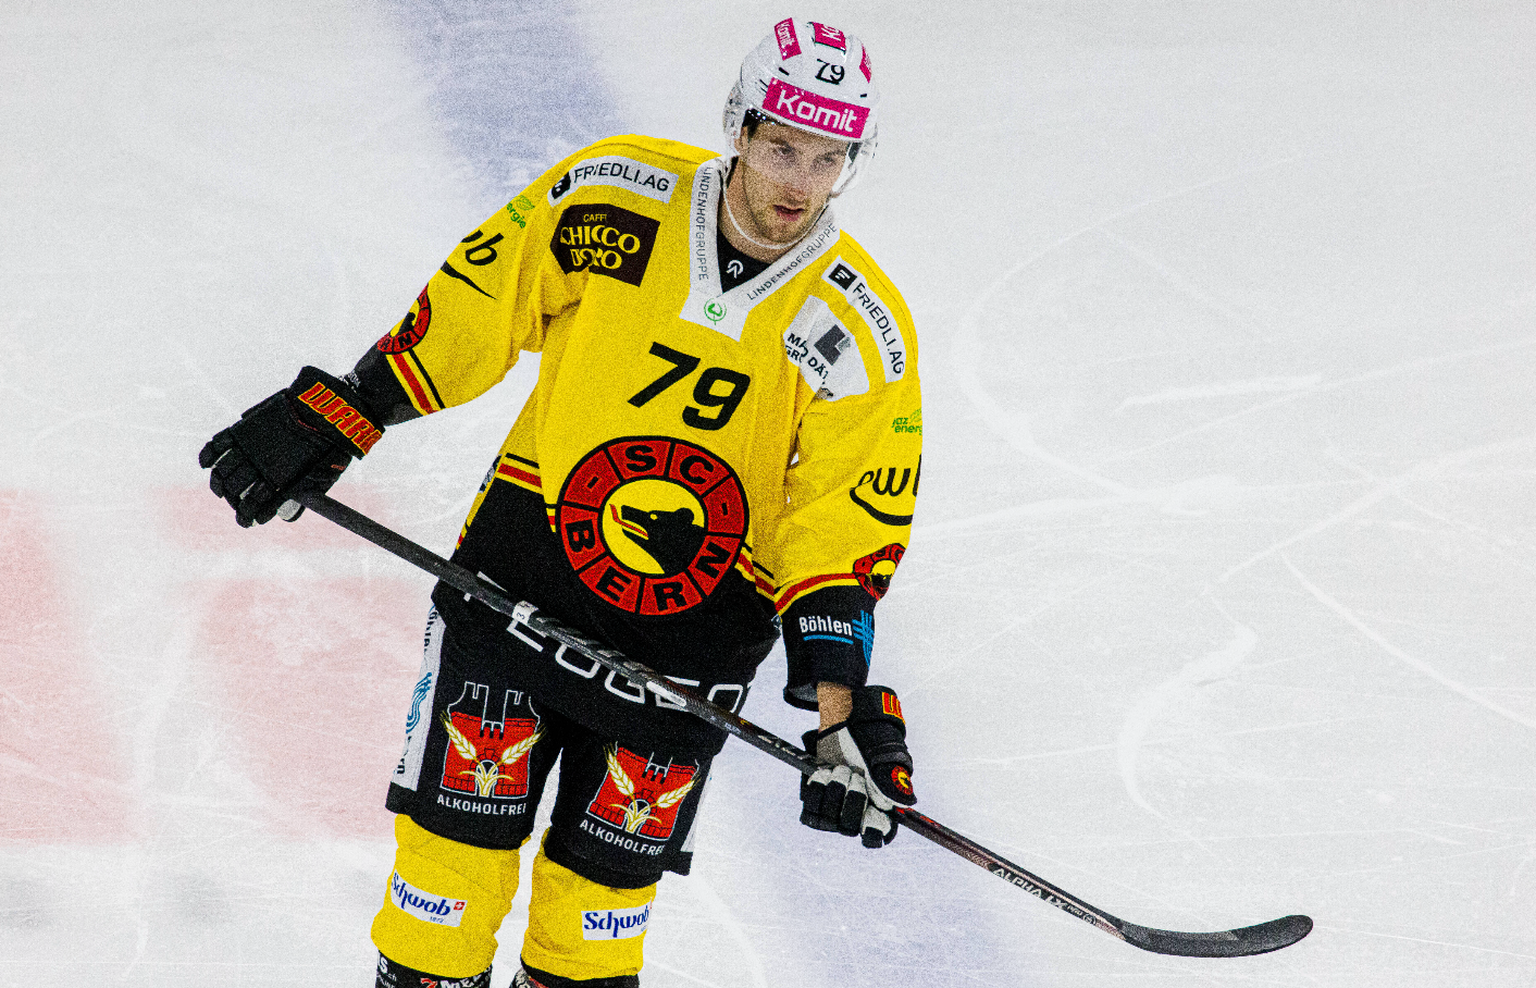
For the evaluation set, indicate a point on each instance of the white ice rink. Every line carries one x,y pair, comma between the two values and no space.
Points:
1220,601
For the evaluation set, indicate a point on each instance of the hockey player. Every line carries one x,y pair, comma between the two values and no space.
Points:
718,445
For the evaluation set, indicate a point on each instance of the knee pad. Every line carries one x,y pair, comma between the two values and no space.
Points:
579,930
444,903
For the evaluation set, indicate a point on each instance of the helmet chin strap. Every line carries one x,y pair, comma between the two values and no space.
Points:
725,197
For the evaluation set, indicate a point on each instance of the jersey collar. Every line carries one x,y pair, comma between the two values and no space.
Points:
726,312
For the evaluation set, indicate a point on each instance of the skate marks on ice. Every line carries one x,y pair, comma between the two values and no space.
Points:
1429,469
1418,665
1294,389
306,646
712,912
1214,666
1262,385
1013,427
1221,341
61,763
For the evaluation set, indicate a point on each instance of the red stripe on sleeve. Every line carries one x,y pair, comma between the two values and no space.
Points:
408,377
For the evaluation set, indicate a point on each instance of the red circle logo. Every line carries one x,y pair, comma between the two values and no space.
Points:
412,329
651,524
876,569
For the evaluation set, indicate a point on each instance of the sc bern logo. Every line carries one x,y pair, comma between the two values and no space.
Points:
876,569
652,525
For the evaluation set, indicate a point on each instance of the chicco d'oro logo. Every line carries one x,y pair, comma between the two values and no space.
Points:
652,525
605,240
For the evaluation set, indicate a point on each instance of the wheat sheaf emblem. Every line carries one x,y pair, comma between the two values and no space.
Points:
487,771
638,811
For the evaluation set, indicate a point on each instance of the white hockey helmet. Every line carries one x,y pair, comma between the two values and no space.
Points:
816,78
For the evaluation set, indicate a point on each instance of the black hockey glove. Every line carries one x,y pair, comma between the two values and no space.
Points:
301,438
865,771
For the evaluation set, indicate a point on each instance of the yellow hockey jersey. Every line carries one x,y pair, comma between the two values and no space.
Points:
692,462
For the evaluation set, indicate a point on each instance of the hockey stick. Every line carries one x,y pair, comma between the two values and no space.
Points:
1242,942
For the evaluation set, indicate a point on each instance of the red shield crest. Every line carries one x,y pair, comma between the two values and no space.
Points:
487,757
641,797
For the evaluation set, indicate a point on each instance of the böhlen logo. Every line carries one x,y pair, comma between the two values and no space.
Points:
858,630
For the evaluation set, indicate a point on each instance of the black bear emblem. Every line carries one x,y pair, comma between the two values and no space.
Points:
670,537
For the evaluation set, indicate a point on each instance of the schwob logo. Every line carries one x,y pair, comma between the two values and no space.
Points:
652,525
425,906
614,924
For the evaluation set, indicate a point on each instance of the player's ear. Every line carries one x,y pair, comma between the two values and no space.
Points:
741,141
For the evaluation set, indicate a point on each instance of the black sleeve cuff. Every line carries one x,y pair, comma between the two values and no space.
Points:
381,389
828,637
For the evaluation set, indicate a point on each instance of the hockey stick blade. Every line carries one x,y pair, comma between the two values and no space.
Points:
1243,942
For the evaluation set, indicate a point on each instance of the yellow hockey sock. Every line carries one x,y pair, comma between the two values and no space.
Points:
444,903
581,930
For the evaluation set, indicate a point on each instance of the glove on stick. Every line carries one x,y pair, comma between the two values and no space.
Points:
301,438
865,771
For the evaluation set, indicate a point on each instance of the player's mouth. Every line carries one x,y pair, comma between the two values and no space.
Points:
789,214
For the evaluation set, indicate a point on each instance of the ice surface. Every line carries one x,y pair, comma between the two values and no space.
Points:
1219,605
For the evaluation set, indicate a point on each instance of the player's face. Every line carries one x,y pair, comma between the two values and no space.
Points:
786,177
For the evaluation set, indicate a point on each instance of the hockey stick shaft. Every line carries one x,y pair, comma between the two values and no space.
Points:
529,615
1257,939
